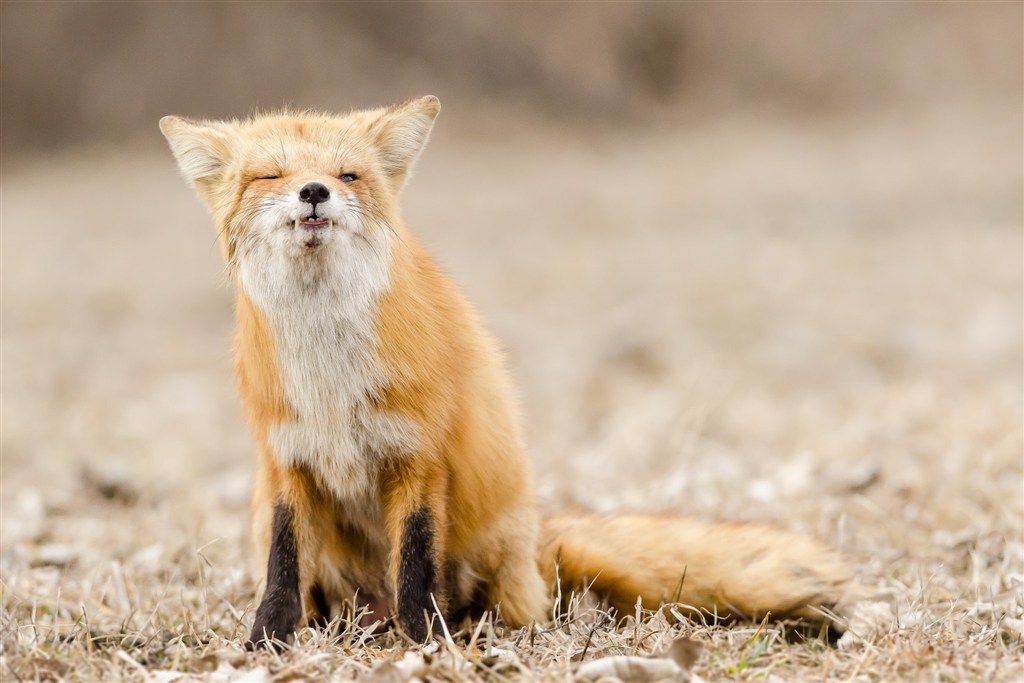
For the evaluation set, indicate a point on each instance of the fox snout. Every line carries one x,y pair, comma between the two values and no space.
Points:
313,211
313,194
312,203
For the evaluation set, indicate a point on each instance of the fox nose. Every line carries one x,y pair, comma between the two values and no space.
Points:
314,193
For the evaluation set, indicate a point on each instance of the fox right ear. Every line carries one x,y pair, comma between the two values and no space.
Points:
201,148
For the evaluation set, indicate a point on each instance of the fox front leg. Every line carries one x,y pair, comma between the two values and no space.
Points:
293,536
417,579
281,608
414,509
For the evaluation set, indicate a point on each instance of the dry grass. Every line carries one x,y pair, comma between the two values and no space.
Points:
810,322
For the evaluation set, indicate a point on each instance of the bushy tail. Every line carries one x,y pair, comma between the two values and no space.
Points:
728,569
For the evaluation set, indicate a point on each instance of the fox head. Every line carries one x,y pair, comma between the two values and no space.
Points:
302,187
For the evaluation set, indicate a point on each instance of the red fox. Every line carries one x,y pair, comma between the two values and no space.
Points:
391,464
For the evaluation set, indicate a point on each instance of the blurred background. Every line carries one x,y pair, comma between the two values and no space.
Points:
104,71
749,260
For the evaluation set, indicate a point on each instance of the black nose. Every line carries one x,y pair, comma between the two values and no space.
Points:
314,193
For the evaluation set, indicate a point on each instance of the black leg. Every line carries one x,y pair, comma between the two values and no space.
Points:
417,575
281,608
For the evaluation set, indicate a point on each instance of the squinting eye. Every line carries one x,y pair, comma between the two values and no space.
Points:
268,177
347,177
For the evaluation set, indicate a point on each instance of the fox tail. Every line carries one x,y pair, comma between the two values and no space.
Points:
725,569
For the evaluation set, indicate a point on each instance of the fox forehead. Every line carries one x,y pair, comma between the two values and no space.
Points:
290,141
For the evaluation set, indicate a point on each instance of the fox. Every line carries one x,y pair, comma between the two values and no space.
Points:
392,474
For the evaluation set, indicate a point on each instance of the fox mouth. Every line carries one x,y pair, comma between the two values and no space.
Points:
313,221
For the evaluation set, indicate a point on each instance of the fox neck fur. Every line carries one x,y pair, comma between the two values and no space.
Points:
321,307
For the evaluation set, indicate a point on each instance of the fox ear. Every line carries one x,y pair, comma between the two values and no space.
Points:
401,132
201,148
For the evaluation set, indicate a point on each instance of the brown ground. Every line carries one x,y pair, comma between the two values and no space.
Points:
810,321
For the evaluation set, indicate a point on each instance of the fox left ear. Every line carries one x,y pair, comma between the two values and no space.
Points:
201,148
401,132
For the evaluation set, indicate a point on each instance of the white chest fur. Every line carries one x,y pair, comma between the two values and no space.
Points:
321,307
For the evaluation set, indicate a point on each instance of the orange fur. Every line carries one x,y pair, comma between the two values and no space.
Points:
725,569
374,393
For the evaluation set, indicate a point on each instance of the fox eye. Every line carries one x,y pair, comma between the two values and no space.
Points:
347,177
268,177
